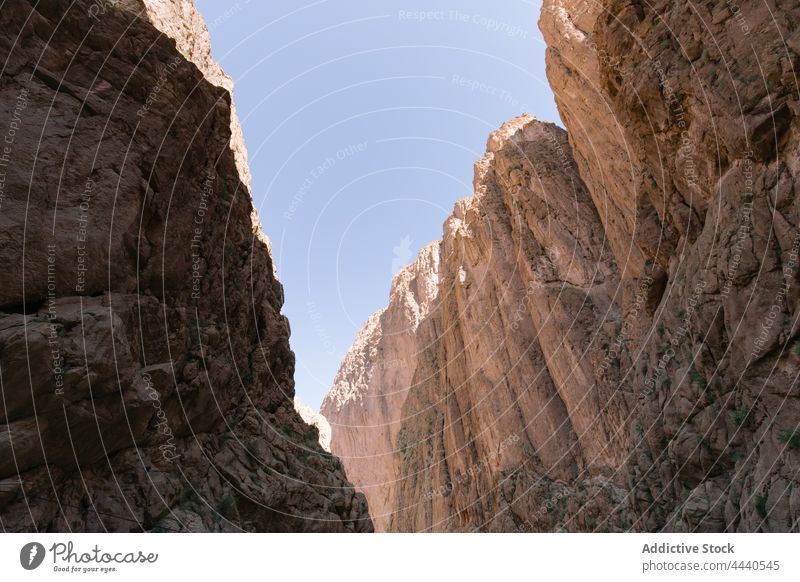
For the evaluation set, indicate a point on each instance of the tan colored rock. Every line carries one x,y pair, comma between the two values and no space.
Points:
700,111
597,138
498,430
509,407
657,367
365,403
316,420
146,370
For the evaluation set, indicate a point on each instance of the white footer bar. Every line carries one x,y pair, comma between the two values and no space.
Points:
421,557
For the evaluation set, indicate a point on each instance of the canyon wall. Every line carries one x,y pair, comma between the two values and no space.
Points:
145,369
366,400
508,420
704,101
511,422
316,420
615,338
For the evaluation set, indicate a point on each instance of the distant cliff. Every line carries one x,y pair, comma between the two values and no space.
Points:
496,429
368,393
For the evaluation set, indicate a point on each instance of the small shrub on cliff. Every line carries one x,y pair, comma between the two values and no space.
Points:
638,430
742,416
736,455
697,378
790,438
401,439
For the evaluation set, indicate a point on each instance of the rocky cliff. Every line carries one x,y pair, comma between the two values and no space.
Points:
512,424
316,420
145,370
369,391
704,100
614,342
506,420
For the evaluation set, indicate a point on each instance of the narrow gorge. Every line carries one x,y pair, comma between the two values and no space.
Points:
607,336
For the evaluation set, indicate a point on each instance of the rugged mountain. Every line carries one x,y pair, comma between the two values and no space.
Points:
145,367
507,421
368,393
615,339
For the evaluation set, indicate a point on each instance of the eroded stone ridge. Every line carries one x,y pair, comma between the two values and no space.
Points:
497,429
512,422
366,400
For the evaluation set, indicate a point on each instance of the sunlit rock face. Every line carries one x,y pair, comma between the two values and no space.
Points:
147,380
316,420
365,404
496,421
514,422
614,340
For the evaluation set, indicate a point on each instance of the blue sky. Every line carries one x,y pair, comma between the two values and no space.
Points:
363,120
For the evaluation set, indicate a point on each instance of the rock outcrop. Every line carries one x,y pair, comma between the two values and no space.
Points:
615,340
145,369
369,391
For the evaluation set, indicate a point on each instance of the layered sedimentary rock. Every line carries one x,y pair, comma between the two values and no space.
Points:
145,368
627,326
366,400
